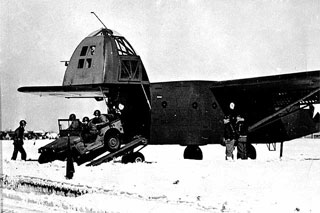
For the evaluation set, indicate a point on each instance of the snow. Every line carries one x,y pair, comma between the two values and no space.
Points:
168,183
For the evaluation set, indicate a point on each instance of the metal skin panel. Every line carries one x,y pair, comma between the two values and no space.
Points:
185,113
94,74
259,100
111,61
105,63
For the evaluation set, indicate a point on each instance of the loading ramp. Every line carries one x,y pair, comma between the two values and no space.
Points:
129,147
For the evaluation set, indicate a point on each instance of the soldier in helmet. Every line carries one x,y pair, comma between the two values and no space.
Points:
85,120
18,142
230,134
86,130
95,124
75,124
229,137
99,120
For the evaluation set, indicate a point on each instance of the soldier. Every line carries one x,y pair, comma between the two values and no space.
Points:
99,120
97,123
230,134
229,137
75,124
18,142
241,129
86,128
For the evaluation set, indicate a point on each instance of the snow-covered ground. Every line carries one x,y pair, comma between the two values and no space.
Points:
167,182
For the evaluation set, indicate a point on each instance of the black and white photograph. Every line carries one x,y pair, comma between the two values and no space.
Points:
160,106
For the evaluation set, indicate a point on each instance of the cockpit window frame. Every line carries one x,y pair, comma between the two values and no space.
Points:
123,46
130,69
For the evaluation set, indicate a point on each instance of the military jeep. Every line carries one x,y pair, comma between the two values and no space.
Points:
71,141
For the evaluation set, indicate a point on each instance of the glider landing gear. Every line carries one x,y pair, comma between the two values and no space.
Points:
193,152
251,152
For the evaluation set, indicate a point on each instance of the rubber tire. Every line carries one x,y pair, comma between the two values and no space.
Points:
193,152
251,152
112,143
137,157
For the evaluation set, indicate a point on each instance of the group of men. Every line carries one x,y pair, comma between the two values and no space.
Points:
235,134
89,131
89,128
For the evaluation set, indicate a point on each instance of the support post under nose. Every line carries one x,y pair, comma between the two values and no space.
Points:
281,149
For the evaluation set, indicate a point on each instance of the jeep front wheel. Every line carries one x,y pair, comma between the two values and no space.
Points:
112,142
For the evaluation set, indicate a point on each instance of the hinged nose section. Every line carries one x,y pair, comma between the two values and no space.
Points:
105,57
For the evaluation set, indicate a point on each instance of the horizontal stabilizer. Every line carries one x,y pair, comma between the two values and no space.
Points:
80,91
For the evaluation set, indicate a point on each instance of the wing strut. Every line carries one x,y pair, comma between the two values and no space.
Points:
264,120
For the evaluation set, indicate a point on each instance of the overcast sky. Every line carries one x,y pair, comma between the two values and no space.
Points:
177,40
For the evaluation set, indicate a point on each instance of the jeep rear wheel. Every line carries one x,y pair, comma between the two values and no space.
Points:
138,157
112,142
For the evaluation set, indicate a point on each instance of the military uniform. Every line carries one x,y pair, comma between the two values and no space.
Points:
100,121
229,137
242,139
18,144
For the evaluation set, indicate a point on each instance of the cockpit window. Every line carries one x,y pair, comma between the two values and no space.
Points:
86,57
80,63
124,48
130,70
84,51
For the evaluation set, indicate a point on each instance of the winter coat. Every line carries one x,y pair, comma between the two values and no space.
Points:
241,128
18,136
229,131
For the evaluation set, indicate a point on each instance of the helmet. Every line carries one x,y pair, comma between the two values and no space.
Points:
72,117
121,106
97,113
85,119
23,122
232,105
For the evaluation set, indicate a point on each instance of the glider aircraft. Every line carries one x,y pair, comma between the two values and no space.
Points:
104,66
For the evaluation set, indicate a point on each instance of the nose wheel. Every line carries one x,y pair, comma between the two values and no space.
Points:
251,151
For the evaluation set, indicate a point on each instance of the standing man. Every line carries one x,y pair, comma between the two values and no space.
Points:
242,131
229,137
18,142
